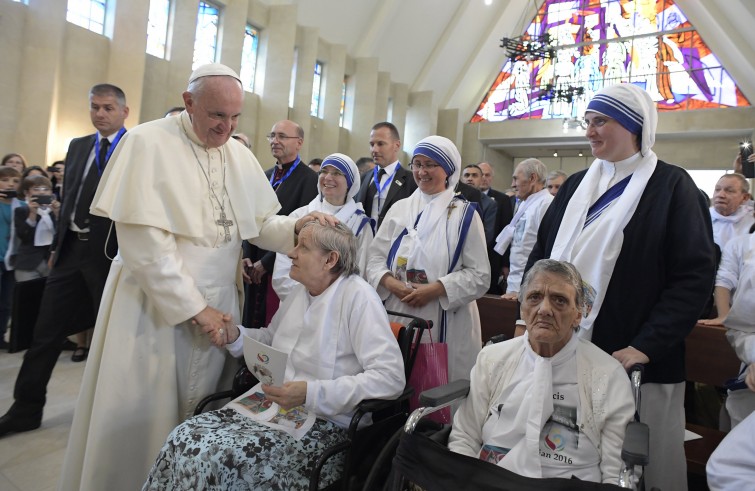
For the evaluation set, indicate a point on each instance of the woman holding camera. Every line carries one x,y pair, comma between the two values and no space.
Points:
35,228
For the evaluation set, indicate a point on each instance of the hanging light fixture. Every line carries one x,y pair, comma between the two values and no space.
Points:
529,48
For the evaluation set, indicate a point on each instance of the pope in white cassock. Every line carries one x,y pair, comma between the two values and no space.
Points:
183,196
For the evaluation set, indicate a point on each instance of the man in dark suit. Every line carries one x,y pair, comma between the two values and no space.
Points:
389,181
504,215
472,176
295,184
80,261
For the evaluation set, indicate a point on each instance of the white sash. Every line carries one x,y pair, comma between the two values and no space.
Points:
596,258
726,228
310,325
503,241
533,399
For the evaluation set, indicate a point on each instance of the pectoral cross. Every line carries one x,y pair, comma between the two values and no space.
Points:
226,224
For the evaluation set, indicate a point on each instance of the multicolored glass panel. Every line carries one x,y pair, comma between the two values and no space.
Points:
649,43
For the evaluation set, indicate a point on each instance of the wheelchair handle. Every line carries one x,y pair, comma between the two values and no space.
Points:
635,376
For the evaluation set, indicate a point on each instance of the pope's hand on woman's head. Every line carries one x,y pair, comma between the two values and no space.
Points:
323,218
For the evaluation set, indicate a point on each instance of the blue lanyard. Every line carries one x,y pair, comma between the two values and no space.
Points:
387,182
280,181
101,165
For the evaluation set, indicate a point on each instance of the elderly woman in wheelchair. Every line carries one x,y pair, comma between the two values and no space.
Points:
548,403
340,351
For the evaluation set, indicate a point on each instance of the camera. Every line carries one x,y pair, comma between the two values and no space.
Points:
43,199
748,168
8,193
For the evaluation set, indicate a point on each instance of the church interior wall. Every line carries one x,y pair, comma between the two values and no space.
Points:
50,64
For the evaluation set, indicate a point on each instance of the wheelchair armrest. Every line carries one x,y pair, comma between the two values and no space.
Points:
218,396
635,450
373,405
444,394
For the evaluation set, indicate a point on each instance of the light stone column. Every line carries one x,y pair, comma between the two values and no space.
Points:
38,94
365,87
275,61
332,86
128,54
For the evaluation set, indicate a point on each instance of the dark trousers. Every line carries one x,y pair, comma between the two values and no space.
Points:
69,304
7,282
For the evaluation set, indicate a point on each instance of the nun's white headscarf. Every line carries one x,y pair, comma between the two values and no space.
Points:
632,107
444,153
348,168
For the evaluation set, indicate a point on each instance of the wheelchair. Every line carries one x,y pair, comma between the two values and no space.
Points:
419,459
362,444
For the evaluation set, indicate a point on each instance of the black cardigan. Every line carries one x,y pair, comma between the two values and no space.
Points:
663,276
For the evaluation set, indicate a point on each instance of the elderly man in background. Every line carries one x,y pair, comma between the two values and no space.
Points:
521,233
638,231
554,181
183,196
729,213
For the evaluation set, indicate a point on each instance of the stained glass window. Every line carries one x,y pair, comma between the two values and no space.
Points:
249,57
206,40
89,14
342,111
599,43
157,27
314,109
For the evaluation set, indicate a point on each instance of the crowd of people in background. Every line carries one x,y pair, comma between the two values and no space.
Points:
428,237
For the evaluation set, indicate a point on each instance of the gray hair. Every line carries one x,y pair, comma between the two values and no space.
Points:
339,239
534,166
104,90
557,173
742,180
567,271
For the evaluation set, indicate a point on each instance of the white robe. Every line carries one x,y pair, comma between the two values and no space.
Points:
148,366
340,343
468,281
282,282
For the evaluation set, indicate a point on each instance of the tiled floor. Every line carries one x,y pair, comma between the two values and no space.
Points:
32,461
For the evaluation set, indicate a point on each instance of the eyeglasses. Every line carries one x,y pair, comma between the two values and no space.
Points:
419,167
40,189
280,136
597,122
331,172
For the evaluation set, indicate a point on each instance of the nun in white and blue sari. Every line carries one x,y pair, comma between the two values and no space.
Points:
337,184
429,256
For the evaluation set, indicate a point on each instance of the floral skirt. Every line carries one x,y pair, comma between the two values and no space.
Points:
224,450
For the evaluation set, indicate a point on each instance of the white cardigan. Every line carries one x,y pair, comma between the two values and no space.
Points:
606,401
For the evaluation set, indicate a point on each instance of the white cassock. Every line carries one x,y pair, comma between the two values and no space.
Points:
148,365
